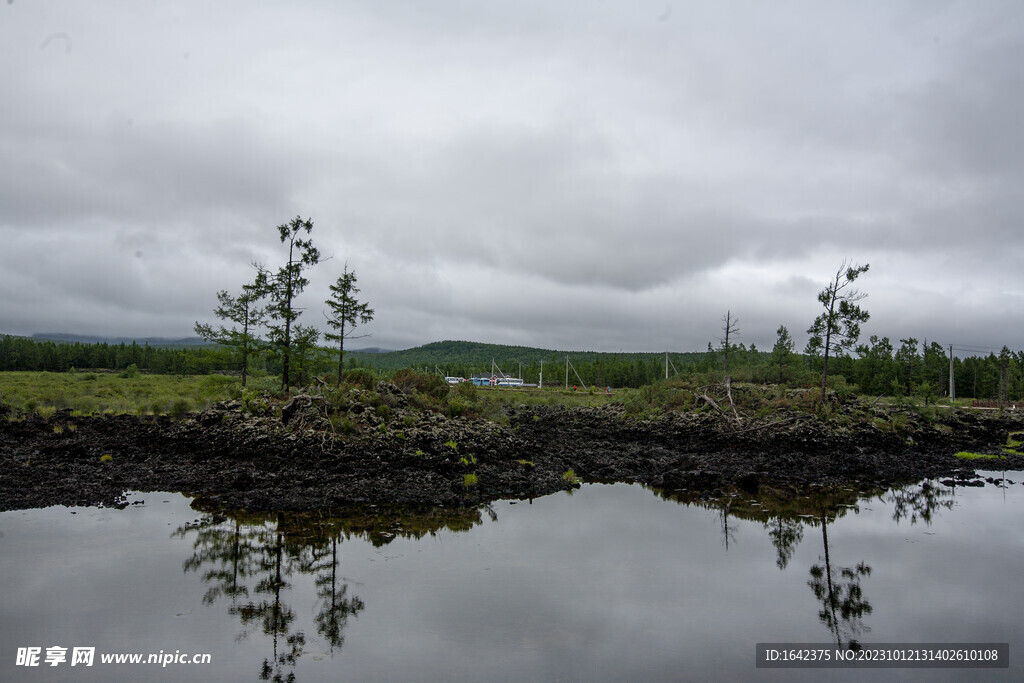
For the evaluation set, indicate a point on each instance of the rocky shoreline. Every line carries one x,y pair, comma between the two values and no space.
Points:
297,457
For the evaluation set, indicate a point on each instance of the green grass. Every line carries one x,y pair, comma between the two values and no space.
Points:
469,480
1014,444
967,455
570,477
493,402
109,393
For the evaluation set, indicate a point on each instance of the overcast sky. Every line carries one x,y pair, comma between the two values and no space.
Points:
570,175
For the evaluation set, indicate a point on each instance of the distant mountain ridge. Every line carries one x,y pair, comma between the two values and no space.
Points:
433,352
70,338
478,356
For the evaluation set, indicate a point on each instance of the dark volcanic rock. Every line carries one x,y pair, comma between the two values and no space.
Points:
235,458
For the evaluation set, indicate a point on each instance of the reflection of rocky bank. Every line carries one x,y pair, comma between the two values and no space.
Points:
379,447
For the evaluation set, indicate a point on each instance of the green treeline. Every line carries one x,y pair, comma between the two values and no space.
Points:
21,353
880,368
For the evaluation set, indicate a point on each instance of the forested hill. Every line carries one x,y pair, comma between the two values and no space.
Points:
478,353
463,358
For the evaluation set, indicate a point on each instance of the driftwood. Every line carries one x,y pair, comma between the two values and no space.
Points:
754,428
704,396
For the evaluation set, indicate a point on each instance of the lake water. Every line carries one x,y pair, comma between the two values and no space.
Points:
610,583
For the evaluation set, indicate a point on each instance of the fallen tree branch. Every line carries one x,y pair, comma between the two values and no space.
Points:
754,428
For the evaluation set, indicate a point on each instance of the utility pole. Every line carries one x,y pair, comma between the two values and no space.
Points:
540,385
666,365
567,372
952,386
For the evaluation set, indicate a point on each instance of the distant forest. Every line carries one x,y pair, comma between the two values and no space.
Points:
879,368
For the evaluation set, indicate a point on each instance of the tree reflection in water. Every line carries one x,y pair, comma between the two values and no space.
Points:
786,534
786,513
840,594
251,560
919,502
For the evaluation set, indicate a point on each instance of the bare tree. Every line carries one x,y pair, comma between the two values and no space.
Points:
730,328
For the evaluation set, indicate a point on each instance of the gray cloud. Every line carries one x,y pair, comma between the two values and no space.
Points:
564,175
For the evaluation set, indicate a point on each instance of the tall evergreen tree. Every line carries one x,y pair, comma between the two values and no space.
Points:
838,328
284,286
346,313
908,364
782,352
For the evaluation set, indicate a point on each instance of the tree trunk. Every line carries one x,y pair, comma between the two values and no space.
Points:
828,337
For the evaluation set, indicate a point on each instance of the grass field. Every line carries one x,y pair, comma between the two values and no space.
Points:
97,393
92,393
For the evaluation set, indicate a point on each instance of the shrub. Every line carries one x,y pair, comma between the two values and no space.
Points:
360,377
469,480
409,381
466,390
343,425
254,402
457,408
180,408
840,386
633,405
570,477
129,372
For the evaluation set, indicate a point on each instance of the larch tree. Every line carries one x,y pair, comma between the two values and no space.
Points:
838,328
243,310
347,313
284,286
782,352
306,355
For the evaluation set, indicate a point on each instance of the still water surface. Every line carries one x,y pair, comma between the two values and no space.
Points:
613,582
